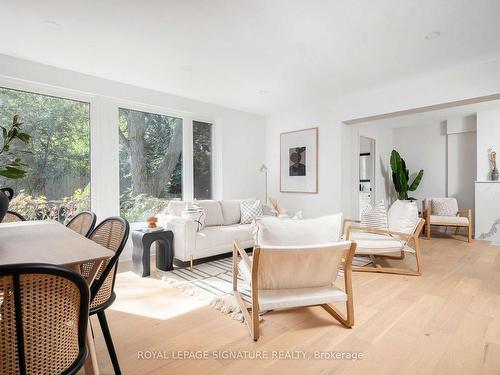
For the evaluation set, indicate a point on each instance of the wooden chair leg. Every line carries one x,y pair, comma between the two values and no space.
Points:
469,233
109,341
348,320
428,230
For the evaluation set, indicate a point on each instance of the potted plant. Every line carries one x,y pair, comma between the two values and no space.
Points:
401,177
11,165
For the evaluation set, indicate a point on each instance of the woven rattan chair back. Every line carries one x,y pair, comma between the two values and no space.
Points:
44,311
12,216
112,233
83,223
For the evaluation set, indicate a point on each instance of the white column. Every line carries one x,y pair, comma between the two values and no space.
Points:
187,159
104,142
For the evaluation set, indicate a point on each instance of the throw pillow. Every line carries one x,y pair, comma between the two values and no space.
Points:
250,210
272,231
374,216
403,216
444,206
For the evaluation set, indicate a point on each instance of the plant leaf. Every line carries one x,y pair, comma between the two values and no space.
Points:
12,172
416,181
395,161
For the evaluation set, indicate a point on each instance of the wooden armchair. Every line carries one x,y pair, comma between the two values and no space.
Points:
286,277
389,243
462,218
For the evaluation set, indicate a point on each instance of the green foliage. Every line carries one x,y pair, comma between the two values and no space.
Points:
11,165
59,147
139,207
401,176
38,208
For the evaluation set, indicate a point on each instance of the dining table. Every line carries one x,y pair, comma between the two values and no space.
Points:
53,243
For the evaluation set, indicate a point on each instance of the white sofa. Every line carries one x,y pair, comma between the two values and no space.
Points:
222,227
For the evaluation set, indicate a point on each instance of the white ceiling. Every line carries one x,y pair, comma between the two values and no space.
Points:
254,55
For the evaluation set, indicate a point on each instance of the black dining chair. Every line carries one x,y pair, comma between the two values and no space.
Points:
12,216
112,233
44,310
83,223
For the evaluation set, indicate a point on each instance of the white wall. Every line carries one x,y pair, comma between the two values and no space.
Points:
336,139
488,137
424,147
239,136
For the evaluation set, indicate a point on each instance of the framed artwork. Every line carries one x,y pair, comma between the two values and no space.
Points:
299,161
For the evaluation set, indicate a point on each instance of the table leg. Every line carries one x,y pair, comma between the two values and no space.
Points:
90,366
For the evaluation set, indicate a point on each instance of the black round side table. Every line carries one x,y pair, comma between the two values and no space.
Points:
142,242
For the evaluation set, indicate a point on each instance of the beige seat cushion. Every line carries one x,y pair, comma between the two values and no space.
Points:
371,243
287,298
453,220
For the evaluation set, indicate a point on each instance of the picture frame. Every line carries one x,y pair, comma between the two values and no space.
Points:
299,161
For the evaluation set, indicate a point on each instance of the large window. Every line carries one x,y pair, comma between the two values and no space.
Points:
202,160
150,162
57,184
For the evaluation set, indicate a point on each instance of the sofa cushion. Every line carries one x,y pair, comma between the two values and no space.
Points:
175,208
211,237
444,206
250,210
231,211
213,212
442,220
403,216
273,231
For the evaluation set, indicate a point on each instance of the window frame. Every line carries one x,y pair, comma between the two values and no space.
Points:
64,94
187,141
104,141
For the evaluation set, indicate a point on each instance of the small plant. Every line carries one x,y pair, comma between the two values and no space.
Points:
11,166
401,176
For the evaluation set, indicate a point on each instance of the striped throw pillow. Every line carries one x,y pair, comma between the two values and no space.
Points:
374,216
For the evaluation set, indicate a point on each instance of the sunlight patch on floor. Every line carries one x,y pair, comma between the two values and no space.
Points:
151,298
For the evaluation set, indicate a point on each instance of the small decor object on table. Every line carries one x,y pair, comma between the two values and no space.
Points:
299,161
493,162
142,241
152,222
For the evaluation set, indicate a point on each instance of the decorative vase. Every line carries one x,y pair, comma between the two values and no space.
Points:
6,195
494,174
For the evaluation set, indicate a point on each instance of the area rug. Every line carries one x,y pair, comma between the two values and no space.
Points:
212,282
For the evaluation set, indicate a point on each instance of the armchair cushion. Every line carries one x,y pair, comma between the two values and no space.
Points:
444,206
443,220
372,243
287,298
272,231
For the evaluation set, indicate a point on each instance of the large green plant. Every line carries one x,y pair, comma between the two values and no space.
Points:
401,176
11,165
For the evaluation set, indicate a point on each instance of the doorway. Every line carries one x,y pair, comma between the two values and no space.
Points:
366,193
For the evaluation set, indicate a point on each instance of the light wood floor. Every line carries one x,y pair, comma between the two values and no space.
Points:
445,322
